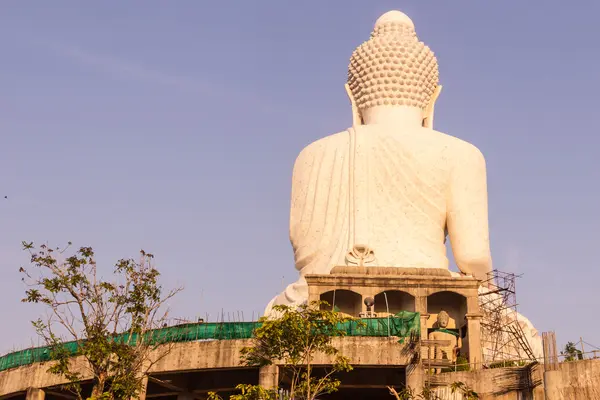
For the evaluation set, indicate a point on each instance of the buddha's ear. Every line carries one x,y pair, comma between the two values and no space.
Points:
356,118
429,110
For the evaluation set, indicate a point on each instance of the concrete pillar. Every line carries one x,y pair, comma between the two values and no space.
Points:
473,304
415,377
424,351
415,373
474,338
424,319
268,377
144,389
35,394
421,308
314,294
363,307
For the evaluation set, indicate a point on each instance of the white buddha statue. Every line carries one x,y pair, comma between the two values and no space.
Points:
388,190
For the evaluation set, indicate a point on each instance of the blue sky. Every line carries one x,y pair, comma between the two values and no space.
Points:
173,127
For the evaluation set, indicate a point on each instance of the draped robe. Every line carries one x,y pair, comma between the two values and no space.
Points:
392,191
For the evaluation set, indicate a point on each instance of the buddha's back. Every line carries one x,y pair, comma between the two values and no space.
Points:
380,187
407,174
384,192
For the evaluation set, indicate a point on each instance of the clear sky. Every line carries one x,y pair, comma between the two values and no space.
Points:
173,127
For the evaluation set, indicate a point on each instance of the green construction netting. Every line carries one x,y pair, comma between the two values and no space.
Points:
400,325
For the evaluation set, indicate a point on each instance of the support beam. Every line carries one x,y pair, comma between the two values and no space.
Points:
424,318
182,393
144,389
268,377
414,373
415,377
35,394
424,351
166,384
421,308
474,337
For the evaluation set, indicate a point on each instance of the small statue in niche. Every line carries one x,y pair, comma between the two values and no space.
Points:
448,352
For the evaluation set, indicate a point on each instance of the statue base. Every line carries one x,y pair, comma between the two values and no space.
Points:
383,291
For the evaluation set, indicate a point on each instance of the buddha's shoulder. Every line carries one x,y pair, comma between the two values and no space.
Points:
325,144
459,147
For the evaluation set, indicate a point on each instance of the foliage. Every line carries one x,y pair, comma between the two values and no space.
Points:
292,339
466,391
462,364
571,353
111,322
249,392
428,394
409,393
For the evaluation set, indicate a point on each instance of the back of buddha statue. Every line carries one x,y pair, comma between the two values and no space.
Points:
375,186
407,172
386,191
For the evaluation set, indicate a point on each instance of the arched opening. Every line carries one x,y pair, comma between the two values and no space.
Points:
345,301
392,302
456,307
453,303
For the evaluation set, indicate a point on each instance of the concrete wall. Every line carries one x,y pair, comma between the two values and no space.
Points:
216,354
189,356
35,375
573,381
577,380
498,383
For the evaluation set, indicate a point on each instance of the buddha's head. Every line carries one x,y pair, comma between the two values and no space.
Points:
393,68
442,319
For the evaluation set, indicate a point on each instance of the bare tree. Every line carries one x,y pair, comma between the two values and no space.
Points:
111,323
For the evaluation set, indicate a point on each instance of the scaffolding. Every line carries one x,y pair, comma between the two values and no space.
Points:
502,336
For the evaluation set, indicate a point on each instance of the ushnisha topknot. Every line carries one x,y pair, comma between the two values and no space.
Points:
393,68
